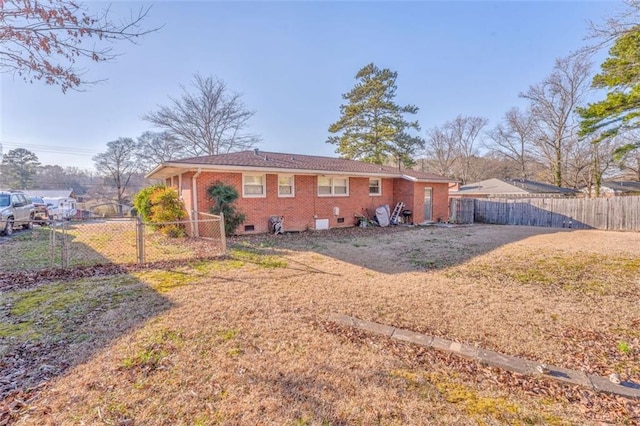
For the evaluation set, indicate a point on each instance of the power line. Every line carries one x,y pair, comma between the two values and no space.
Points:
52,149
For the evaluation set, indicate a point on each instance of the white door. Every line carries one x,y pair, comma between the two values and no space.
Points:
428,204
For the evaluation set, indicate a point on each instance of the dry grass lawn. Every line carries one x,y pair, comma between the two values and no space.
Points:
245,340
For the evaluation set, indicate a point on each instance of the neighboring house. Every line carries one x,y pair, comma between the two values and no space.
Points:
616,188
309,192
511,188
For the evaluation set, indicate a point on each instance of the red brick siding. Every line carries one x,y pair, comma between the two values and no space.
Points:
300,211
359,201
412,195
205,180
404,192
440,202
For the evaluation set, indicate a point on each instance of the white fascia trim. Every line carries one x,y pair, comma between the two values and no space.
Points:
156,169
414,179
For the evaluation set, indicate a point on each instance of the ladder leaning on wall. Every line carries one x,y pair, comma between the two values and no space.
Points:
396,213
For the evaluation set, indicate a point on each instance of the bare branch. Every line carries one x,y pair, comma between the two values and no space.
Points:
208,122
553,105
513,138
45,40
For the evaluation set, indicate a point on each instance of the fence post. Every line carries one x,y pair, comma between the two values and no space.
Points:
52,244
195,230
223,234
140,239
65,252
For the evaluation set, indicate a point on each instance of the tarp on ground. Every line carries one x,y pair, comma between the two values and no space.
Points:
382,214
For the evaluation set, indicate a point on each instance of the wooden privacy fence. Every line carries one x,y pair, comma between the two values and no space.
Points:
616,214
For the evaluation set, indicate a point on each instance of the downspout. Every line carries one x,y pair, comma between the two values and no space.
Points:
194,203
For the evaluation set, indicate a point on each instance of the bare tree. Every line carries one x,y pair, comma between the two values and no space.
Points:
577,163
629,163
603,161
513,138
43,40
208,122
118,163
465,131
56,177
440,152
154,148
615,26
553,103
495,165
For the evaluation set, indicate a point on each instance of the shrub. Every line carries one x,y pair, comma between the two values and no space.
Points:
224,196
166,205
157,204
142,203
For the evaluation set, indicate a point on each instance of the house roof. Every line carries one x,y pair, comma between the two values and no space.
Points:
511,187
622,186
277,162
51,193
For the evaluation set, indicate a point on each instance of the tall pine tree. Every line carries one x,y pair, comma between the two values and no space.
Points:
372,126
18,168
620,110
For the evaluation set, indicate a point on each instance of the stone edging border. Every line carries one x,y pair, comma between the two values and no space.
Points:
494,359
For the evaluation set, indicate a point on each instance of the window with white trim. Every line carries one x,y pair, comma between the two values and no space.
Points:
333,186
253,185
375,186
285,186
324,186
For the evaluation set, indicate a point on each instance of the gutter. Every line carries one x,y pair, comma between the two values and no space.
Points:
435,180
194,203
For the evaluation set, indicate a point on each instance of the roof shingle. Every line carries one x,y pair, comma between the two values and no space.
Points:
310,163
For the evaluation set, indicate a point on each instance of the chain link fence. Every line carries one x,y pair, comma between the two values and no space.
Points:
68,244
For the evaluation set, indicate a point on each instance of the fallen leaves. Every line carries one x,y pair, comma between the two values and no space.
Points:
10,281
596,406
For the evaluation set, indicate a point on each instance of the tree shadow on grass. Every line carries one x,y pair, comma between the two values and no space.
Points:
54,320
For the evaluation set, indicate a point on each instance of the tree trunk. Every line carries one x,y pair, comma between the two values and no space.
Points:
558,165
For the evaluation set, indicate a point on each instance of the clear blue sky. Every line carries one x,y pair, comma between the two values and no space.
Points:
293,60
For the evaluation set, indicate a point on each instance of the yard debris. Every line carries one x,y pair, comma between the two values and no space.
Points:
13,405
334,234
10,281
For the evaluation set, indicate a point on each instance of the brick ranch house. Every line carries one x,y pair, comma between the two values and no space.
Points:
309,192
